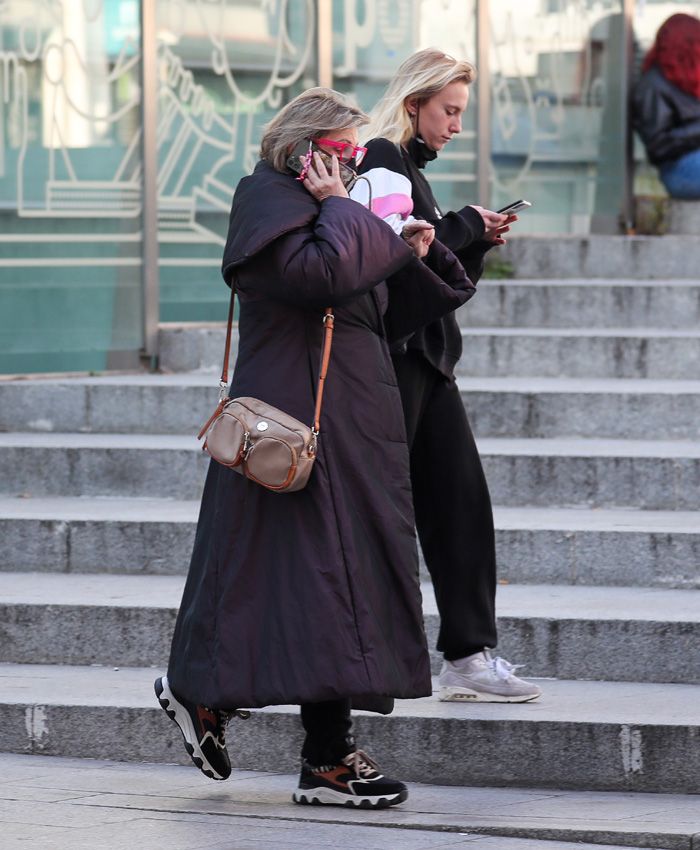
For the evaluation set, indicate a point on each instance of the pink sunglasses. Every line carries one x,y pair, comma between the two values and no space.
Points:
346,151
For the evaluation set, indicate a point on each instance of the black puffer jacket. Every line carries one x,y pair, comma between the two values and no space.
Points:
666,118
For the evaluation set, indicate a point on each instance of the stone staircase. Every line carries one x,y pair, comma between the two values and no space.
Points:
585,399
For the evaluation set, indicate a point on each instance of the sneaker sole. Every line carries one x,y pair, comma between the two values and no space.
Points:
328,797
180,716
453,694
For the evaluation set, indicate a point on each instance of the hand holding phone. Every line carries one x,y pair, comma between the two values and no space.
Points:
514,207
305,154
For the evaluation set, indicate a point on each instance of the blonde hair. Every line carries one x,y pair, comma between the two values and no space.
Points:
422,75
311,114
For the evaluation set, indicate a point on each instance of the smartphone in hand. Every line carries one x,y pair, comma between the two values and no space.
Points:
514,207
298,159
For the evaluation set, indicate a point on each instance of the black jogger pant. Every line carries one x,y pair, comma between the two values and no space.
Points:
327,726
452,505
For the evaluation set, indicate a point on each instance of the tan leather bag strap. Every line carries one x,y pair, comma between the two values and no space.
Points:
328,323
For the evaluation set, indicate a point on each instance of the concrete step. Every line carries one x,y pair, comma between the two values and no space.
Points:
194,347
617,408
579,735
434,816
102,465
566,632
652,475
498,407
534,545
580,353
624,257
577,303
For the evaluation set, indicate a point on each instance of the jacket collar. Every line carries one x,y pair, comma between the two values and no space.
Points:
266,205
419,152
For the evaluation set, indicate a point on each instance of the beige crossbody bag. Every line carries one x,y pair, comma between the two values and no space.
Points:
259,441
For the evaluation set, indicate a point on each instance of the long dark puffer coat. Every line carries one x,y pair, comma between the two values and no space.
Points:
314,595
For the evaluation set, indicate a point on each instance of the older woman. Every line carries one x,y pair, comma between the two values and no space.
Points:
312,597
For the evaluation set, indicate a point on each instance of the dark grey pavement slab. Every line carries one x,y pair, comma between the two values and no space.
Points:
75,797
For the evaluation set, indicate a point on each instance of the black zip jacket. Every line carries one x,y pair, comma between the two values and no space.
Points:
440,342
666,118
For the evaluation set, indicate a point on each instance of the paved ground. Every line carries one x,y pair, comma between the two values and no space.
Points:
71,804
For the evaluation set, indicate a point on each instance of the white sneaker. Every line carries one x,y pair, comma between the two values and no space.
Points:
480,678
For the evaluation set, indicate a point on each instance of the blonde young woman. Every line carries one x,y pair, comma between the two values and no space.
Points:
419,114
312,597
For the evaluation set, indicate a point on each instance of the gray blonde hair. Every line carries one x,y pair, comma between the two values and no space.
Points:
422,75
311,114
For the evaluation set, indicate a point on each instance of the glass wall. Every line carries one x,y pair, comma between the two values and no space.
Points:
71,143
225,68
558,107
70,206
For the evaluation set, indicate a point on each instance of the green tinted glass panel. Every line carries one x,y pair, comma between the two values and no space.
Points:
225,68
558,112
70,205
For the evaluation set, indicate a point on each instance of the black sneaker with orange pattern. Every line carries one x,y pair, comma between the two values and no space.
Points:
355,781
203,730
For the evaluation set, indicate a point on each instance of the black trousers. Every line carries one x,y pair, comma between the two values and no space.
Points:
327,726
453,507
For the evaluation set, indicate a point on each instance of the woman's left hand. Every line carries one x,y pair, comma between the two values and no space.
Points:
321,182
419,235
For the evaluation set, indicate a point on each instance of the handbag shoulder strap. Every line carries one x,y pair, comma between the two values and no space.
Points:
328,324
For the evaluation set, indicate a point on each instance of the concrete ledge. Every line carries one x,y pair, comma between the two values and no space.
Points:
497,406
584,735
589,353
683,217
565,632
581,303
639,257
534,545
652,475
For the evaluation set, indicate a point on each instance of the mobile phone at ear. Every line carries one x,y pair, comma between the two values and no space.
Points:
297,161
514,207
297,158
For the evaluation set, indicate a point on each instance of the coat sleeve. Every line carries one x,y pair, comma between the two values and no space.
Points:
459,230
345,252
424,291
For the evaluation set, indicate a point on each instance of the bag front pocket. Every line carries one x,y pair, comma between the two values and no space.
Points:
271,462
225,440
